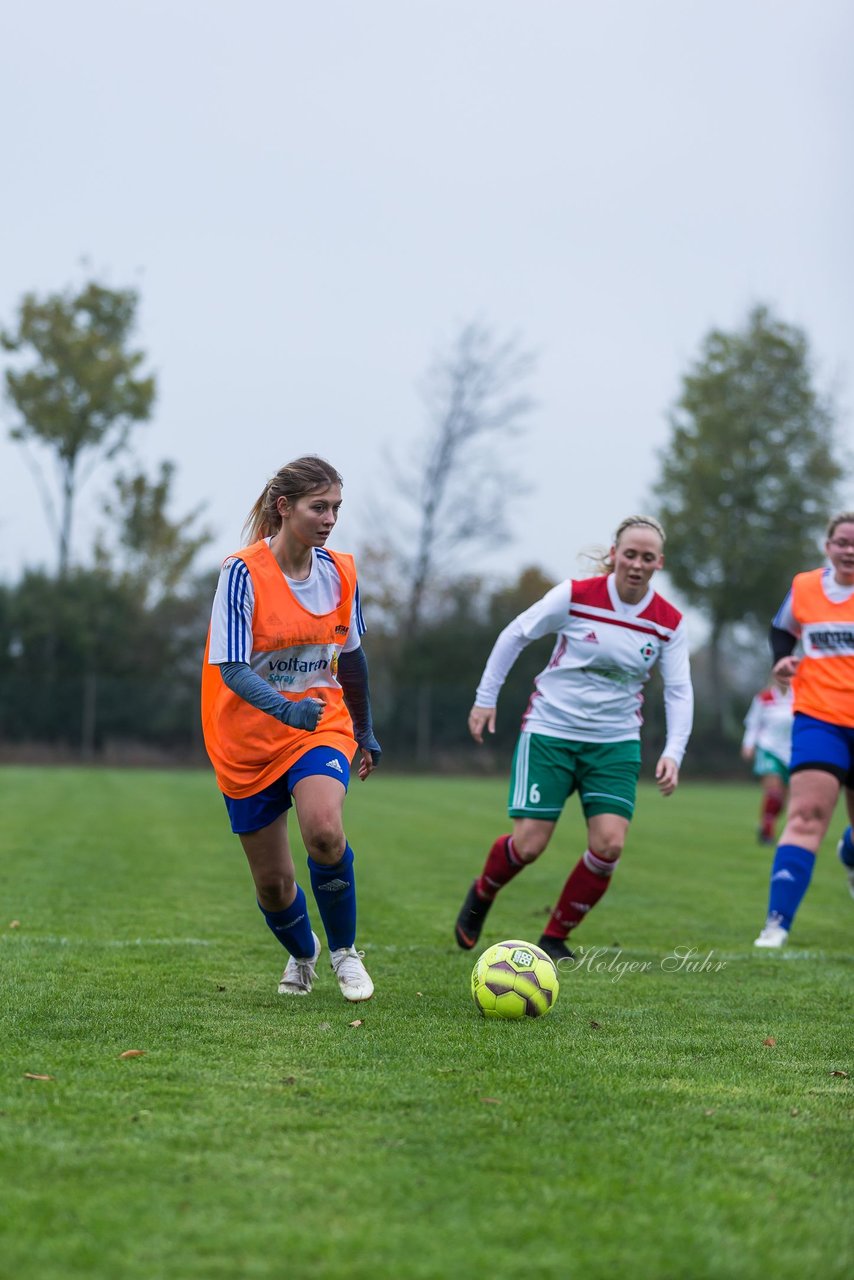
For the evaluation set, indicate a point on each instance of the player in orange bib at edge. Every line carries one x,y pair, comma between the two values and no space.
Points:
818,612
581,729
285,705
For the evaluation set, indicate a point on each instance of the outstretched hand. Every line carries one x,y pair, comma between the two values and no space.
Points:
783,671
481,718
367,762
667,775
370,753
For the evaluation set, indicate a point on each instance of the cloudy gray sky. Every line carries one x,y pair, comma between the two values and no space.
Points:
312,198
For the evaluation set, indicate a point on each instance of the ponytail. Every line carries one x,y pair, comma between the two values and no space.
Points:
294,480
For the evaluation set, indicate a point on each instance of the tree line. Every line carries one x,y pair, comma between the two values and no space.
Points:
102,655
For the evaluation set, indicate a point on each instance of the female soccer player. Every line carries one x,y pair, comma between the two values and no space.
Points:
767,743
581,729
285,703
818,611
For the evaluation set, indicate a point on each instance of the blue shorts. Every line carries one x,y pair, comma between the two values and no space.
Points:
254,812
818,744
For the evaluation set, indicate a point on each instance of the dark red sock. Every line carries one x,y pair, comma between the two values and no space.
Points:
772,803
502,864
588,880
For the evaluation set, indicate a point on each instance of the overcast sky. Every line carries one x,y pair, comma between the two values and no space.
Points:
312,198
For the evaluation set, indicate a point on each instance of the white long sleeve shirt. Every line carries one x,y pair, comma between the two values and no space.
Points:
592,688
768,723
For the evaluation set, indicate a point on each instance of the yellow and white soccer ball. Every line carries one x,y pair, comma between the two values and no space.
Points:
514,979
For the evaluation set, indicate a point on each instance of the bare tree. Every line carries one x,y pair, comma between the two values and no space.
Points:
456,485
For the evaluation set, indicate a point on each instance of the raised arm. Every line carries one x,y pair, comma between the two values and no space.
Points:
548,615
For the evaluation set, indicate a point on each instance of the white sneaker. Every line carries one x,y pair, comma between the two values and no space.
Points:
773,934
849,871
353,978
299,974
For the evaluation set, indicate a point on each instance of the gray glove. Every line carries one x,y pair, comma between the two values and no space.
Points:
303,714
243,681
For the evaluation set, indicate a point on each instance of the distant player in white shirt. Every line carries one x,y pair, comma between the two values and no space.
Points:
767,743
581,729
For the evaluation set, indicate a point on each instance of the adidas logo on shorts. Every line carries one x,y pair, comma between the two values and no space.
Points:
334,764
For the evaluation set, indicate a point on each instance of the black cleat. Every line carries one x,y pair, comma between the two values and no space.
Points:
473,912
555,948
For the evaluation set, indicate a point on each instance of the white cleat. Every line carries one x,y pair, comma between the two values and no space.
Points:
353,978
773,935
849,871
299,974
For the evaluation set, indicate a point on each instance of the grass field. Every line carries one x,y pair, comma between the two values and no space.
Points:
665,1121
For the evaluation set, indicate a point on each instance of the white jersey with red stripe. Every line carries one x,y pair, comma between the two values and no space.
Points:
592,688
768,723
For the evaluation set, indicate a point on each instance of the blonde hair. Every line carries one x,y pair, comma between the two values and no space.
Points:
844,517
292,481
602,560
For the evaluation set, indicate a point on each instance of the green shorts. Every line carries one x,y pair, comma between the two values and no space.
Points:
546,771
765,762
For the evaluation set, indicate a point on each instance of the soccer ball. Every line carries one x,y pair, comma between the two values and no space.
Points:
514,979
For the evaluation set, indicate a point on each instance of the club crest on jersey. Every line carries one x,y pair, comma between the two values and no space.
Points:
647,651
591,638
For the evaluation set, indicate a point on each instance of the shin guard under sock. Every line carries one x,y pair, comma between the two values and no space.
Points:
587,882
502,864
335,894
772,803
790,878
292,926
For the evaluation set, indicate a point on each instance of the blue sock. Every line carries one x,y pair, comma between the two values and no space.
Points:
335,894
846,848
790,877
292,926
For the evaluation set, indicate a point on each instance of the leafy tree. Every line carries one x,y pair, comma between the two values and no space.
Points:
121,670
748,477
146,544
78,392
66,631
508,601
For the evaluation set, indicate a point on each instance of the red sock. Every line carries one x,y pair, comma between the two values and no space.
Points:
502,864
772,803
588,880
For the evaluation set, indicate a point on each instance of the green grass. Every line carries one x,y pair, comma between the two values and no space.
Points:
643,1129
